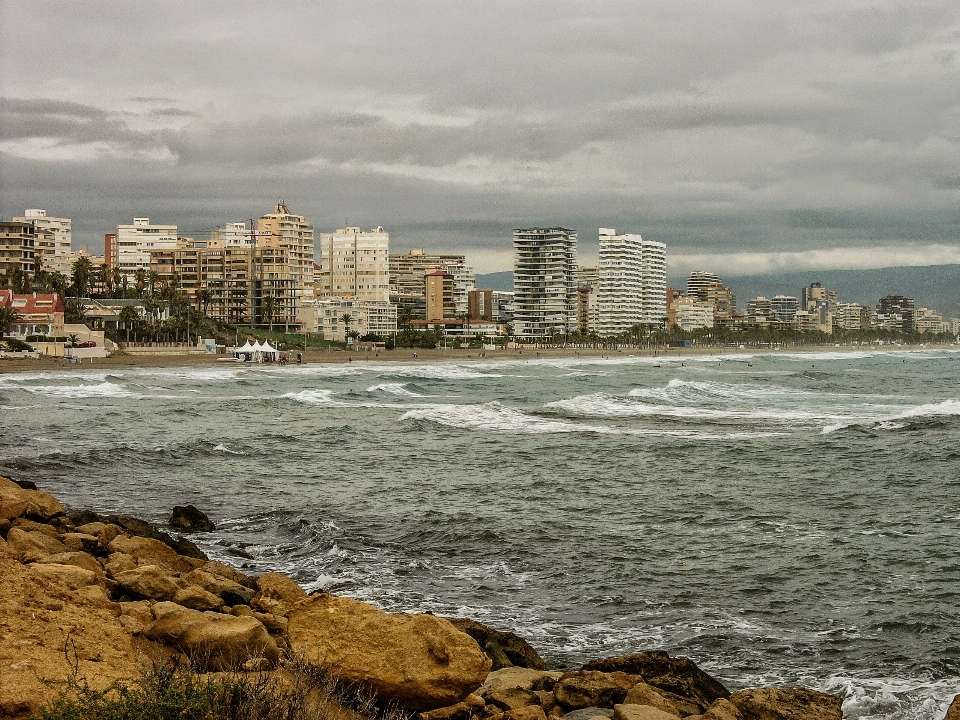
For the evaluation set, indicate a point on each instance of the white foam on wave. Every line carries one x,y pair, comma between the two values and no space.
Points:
687,391
946,408
394,389
890,698
436,371
603,405
495,417
320,396
103,389
223,448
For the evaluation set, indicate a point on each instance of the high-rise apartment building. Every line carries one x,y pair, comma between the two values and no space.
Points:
784,308
439,295
354,264
17,246
407,271
54,234
296,236
544,282
632,283
480,305
463,282
699,279
135,242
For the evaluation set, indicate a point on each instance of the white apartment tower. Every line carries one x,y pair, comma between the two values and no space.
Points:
354,264
54,235
544,282
632,282
464,281
134,243
296,235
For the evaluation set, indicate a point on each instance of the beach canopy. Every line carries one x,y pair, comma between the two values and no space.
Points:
247,347
267,348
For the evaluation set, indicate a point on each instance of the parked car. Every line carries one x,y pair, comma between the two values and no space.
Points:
88,343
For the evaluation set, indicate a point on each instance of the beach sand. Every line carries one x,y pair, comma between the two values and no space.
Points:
410,355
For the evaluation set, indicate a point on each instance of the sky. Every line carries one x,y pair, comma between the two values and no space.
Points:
751,136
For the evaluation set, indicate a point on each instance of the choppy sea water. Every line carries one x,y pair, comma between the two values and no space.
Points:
779,518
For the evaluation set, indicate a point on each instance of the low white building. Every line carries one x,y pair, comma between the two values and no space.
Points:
336,318
693,314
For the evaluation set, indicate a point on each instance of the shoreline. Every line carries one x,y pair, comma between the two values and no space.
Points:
323,357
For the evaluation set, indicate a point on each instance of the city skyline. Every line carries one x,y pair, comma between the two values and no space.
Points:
748,138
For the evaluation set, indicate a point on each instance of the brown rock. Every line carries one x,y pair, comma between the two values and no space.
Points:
787,704
16,502
547,700
29,545
528,712
591,688
104,532
419,661
214,642
641,712
225,571
505,649
5,550
215,584
722,710
81,542
196,598
643,694
517,677
34,526
78,559
465,710
278,594
118,563
148,581
187,518
71,576
679,675
512,698
953,712
147,551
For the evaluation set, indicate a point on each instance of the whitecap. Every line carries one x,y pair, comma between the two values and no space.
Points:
103,389
223,448
946,408
494,416
394,389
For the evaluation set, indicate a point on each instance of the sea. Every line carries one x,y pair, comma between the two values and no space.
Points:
780,518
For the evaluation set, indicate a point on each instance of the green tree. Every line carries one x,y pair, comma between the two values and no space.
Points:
129,317
8,318
82,273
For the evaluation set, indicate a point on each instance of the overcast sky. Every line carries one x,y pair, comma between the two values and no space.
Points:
749,136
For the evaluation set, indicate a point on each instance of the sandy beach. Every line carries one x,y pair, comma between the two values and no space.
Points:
420,355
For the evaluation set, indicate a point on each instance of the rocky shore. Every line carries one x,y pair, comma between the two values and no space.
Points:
97,597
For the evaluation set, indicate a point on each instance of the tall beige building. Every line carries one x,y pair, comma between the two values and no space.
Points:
407,271
354,264
296,236
54,236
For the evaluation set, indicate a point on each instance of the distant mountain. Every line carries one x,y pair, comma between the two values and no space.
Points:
496,281
933,286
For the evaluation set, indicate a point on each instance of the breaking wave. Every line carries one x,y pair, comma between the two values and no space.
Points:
947,408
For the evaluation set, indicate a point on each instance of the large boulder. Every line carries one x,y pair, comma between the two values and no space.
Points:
505,649
77,559
31,545
278,594
592,688
147,551
678,675
787,704
16,501
643,694
421,662
465,710
214,642
148,581
195,597
186,518
641,712
140,528
518,677
722,710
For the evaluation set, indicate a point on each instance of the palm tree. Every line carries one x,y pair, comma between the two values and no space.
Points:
203,299
347,319
153,279
129,317
82,274
140,281
8,318
268,306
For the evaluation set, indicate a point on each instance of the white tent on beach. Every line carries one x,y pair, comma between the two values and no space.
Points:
246,351
257,352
